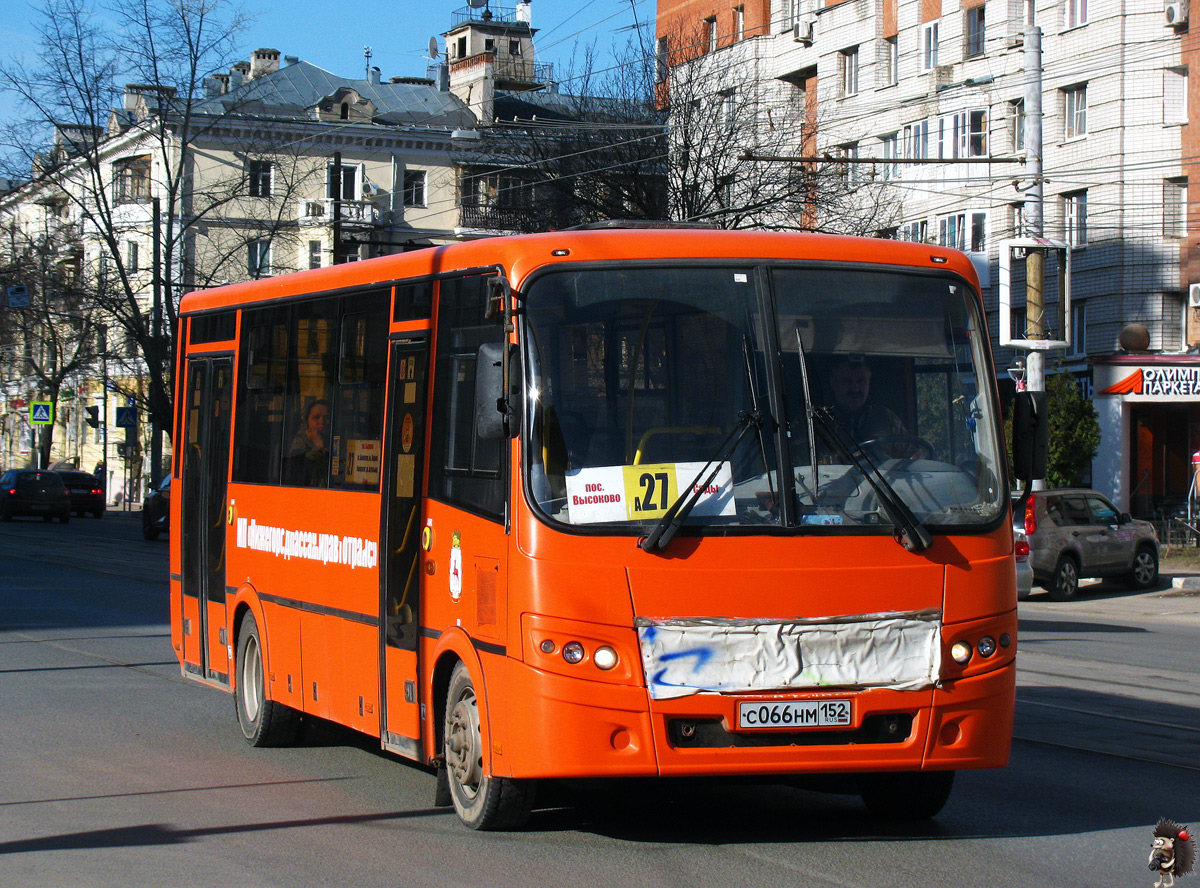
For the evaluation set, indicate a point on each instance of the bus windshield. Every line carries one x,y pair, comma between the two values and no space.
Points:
766,396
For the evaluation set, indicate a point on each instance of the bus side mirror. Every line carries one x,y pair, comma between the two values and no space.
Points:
1030,435
497,416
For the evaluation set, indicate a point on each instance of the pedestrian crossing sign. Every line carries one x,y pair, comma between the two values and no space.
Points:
41,413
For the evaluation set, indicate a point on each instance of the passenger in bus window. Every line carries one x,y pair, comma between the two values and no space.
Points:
307,462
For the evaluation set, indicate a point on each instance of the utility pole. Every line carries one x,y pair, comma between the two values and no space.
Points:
155,352
1035,260
337,207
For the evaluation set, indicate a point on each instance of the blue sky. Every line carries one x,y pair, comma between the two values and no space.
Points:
332,35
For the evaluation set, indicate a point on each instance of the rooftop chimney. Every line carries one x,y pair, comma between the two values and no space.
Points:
263,62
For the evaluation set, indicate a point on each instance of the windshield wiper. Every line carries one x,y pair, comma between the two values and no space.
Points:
670,523
909,532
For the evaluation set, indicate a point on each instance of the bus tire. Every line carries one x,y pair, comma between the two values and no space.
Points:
481,801
906,795
263,722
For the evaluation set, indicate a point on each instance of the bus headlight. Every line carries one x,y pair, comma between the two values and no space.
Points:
573,652
605,658
961,653
986,646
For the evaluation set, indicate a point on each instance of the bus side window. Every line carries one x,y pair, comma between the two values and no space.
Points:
465,470
260,420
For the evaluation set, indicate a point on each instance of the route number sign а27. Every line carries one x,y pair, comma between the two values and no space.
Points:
643,492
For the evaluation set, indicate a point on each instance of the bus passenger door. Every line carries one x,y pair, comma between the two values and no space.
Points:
202,543
400,595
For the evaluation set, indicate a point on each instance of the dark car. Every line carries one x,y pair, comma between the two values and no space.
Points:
156,510
86,493
1078,533
34,492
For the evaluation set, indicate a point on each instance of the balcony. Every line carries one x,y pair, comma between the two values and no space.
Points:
353,213
510,71
499,219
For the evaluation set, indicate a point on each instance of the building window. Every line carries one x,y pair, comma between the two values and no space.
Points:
1175,90
963,135
710,33
1075,112
1020,323
1016,111
1075,218
916,232
916,140
739,22
1018,219
514,47
929,46
259,174
347,189
1175,207
660,60
847,171
975,31
258,258
891,153
1075,13
849,59
978,241
414,188
314,254
1078,346
729,109
952,231
131,180
131,257
891,61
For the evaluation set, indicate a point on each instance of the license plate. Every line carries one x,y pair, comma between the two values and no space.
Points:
794,714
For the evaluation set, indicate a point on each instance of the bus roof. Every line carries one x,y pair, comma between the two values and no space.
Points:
521,255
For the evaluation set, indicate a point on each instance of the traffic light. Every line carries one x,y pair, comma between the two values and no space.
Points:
93,416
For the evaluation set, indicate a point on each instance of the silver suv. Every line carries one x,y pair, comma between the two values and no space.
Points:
1079,533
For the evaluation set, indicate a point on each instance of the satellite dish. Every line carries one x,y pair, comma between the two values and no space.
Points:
433,47
476,4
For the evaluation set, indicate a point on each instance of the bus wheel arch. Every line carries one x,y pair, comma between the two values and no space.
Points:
482,800
263,722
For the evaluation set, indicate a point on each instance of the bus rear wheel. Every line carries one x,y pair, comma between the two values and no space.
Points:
908,795
263,722
481,801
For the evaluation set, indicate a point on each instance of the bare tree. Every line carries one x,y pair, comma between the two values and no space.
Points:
744,147
594,153
50,332
134,164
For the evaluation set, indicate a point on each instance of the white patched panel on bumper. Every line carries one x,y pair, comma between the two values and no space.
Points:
891,650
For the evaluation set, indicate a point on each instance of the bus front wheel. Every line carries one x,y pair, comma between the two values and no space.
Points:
263,722
481,801
909,795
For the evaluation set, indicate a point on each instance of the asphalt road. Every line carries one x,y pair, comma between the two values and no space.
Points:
114,771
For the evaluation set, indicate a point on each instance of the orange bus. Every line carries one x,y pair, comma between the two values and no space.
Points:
606,503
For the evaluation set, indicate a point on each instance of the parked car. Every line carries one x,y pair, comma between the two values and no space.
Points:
86,493
1078,533
34,492
1024,570
156,510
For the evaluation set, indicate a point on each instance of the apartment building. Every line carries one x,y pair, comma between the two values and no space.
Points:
884,83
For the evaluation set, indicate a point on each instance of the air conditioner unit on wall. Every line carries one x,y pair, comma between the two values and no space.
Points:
1194,295
803,32
1176,13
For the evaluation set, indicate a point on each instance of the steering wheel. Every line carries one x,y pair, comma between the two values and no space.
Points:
917,447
